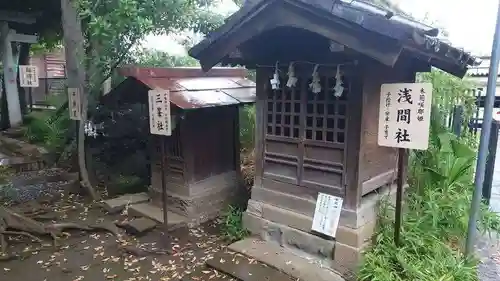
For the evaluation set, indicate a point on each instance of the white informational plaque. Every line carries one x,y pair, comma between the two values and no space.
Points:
159,112
327,214
404,115
28,76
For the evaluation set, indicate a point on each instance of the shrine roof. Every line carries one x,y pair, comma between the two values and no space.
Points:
190,88
359,21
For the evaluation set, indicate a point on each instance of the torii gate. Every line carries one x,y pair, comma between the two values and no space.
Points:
10,62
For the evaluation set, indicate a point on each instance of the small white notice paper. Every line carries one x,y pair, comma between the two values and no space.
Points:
404,115
327,214
28,76
159,112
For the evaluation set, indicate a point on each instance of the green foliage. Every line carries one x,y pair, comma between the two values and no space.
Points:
434,220
113,27
45,129
156,58
247,126
124,184
232,225
449,91
437,203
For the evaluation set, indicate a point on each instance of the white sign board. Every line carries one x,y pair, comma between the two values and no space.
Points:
74,104
28,76
327,214
159,112
404,115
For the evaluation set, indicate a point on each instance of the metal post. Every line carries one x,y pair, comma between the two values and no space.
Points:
483,143
490,162
399,195
458,115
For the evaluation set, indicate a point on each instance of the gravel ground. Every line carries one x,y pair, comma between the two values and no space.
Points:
17,191
488,250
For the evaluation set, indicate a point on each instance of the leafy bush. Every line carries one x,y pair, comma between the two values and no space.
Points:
435,217
232,226
47,130
123,184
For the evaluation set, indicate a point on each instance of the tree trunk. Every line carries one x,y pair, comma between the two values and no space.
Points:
75,56
24,59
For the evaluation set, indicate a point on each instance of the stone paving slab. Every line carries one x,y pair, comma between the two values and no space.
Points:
117,204
139,225
150,211
284,260
246,269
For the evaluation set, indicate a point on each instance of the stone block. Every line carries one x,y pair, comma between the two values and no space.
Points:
288,237
345,235
283,200
254,207
200,201
139,225
284,260
347,259
117,204
366,213
150,211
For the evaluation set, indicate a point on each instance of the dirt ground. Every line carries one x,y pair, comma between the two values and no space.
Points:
96,256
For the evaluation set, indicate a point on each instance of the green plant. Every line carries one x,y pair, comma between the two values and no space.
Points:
47,131
123,184
232,225
247,126
434,218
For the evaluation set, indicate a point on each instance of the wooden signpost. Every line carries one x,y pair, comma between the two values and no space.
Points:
404,120
160,124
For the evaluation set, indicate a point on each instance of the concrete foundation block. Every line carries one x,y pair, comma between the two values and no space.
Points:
288,237
254,207
347,259
284,260
366,213
346,235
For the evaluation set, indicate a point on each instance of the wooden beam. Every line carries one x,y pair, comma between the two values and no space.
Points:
18,17
22,38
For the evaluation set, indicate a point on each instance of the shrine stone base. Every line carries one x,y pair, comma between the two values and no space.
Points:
286,220
200,201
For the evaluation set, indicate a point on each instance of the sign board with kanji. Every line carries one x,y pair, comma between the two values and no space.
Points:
74,104
327,214
404,115
28,76
159,112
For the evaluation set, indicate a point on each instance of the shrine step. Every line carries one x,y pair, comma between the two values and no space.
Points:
284,260
149,210
245,268
117,204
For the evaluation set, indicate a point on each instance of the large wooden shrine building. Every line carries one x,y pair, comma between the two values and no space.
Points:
313,135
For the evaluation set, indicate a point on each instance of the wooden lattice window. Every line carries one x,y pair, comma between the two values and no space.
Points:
283,112
172,144
324,116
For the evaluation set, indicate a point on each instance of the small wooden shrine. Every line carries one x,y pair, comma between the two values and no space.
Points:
320,66
202,154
